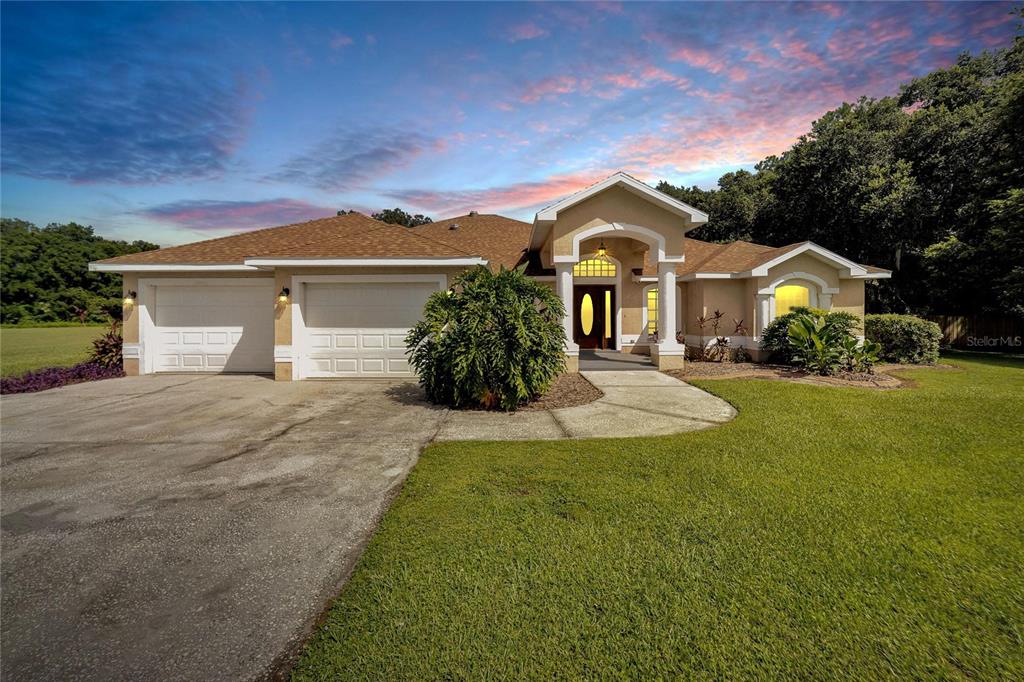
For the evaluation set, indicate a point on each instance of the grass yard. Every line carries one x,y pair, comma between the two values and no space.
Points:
25,349
825,533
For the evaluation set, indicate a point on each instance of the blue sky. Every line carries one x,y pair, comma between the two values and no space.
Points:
177,122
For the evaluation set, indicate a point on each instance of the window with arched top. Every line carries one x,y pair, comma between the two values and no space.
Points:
791,296
594,267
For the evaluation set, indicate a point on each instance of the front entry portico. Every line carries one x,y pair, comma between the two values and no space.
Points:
640,227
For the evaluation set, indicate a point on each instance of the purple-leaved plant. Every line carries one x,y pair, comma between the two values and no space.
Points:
54,377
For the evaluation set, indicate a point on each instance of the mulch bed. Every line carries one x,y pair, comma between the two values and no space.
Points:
569,390
880,378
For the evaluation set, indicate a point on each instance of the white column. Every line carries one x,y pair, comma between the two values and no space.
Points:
667,325
763,314
563,287
825,301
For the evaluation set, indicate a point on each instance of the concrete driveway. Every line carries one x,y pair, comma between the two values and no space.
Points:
183,527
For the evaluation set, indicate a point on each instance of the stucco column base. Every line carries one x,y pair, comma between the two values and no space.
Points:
668,356
131,367
572,364
282,371
671,362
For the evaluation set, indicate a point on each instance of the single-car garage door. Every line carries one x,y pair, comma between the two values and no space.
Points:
215,327
358,329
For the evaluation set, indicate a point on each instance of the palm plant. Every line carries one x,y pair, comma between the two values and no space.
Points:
816,344
493,340
859,357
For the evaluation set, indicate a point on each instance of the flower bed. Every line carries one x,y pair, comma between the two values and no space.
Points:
55,377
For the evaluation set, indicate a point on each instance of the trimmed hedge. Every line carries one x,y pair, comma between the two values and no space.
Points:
905,339
775,339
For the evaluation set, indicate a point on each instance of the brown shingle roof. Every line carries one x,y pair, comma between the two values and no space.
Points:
347,236
500,240
734,257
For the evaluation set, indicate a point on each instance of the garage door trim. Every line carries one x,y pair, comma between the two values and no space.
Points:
299,333
146,308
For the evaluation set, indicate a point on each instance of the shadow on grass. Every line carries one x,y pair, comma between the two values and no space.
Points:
1014,361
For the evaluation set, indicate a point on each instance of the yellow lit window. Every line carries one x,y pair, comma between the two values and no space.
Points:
608,313
594,268
587,314
652,311
791,296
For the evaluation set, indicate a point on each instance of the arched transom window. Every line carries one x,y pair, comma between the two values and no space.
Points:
791,296
594,267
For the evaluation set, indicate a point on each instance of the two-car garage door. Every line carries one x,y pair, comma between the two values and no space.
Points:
345,329
358,329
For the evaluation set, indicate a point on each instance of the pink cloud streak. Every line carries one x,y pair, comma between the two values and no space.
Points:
526,31
203,214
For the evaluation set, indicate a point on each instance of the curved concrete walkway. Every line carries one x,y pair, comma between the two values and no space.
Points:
635,403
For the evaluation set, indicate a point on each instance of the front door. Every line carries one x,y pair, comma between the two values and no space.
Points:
594,316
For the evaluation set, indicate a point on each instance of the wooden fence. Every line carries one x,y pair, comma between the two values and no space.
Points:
981,333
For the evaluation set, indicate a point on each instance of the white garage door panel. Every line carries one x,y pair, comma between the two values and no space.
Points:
358,329
215,328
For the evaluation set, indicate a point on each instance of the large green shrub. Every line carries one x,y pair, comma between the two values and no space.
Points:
904,338
494,340
775,339
824,348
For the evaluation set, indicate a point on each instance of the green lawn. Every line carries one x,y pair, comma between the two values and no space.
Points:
825,533
22,350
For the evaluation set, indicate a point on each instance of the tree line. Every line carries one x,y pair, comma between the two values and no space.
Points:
45,273
928,183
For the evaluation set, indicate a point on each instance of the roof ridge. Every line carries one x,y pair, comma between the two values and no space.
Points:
246,233
412,232
478,215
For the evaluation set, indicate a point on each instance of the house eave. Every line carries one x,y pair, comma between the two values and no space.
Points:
169,267
440,262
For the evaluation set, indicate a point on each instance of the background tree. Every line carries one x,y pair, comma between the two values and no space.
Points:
397,216
45,273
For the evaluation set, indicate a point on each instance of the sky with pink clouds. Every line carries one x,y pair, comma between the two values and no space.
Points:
177,122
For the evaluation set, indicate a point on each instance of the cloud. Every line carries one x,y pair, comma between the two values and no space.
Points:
353,157
604,86
93,106
548,87
208,214
939,40
798,51
698,57
832,9
340,40
506,197
525,31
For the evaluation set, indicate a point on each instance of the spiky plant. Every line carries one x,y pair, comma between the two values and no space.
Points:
106,350
494,340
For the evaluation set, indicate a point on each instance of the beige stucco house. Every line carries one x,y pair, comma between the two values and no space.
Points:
335,297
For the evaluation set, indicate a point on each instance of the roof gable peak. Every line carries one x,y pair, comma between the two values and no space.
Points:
622,179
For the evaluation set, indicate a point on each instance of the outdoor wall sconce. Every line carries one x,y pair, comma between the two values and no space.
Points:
129,299
602,252
283,296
